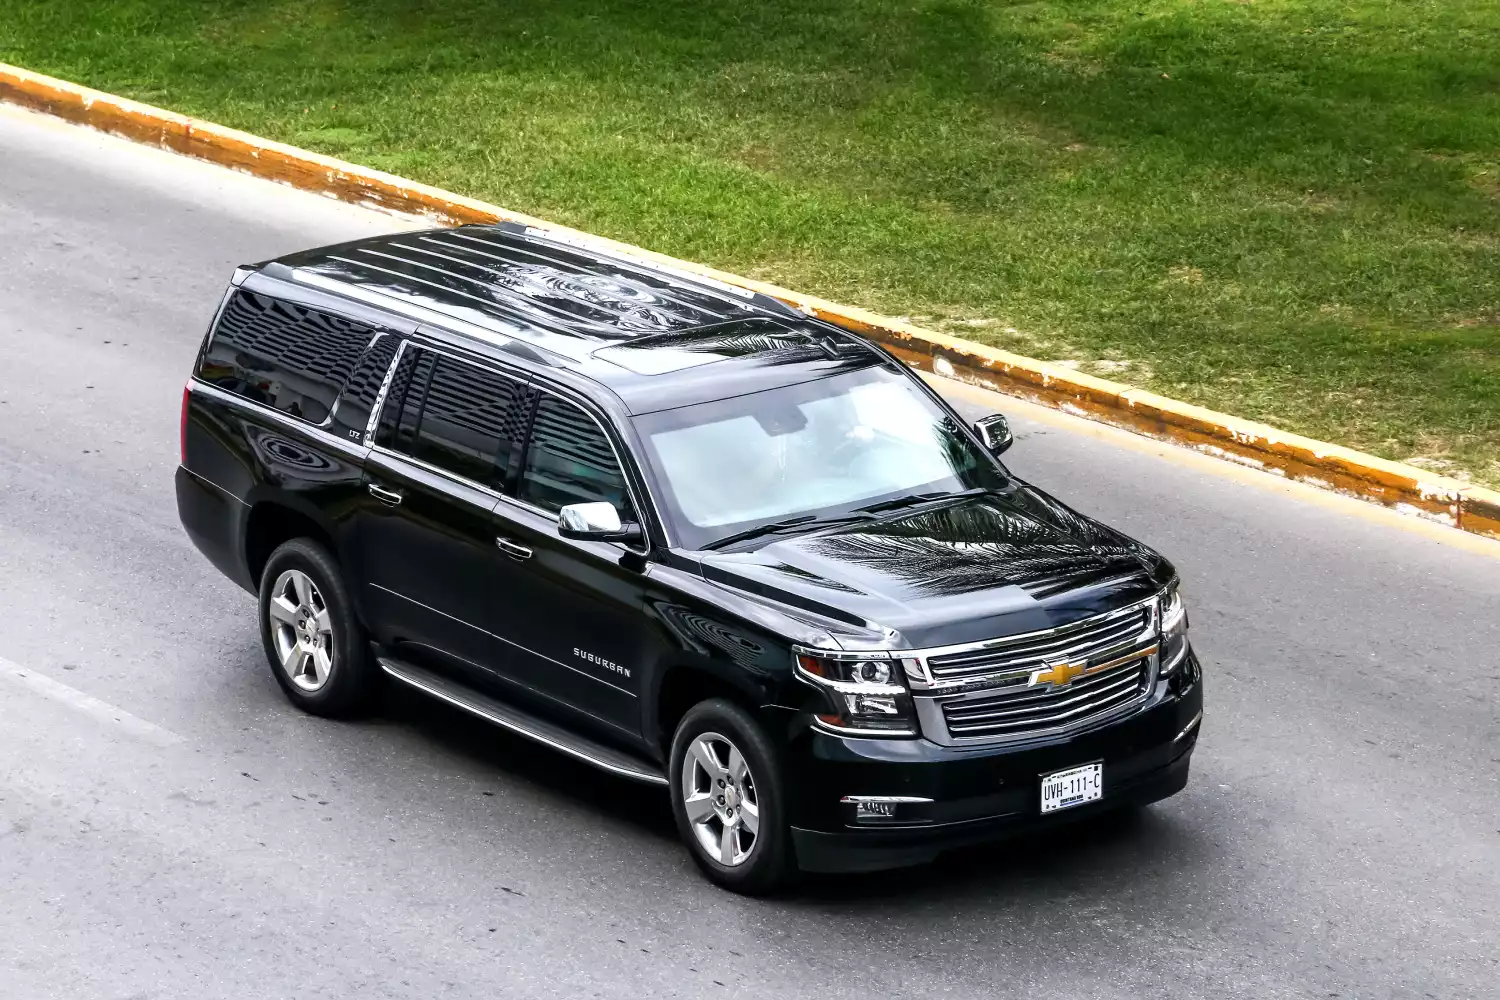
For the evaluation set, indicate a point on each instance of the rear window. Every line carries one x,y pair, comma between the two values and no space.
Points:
287,356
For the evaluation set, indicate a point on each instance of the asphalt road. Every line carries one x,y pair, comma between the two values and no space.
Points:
170,827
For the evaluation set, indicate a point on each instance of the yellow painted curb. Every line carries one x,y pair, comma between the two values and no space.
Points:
1404,487
1480,511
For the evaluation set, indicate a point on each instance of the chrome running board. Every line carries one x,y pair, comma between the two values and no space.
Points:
523,723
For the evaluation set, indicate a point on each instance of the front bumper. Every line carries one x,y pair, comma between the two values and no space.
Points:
979,794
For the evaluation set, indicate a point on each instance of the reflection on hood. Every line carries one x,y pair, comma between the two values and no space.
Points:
991,565
1040,546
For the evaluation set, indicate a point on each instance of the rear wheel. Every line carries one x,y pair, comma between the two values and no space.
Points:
314,644
727,799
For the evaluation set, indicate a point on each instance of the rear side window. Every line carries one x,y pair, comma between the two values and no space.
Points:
569,460
460,418
283,355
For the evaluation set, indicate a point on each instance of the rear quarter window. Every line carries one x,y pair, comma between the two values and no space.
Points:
283,355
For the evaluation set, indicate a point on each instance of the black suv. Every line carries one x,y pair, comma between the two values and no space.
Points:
683,532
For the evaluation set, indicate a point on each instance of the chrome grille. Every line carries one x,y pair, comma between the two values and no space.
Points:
1087,672
1081,640
1015,710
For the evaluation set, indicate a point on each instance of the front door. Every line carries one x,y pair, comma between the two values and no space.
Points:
579,611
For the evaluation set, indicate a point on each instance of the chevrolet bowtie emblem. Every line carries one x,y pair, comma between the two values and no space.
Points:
1059,674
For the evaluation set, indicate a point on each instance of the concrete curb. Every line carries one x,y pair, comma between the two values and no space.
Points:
1393,484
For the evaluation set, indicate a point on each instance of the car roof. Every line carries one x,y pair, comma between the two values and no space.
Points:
655,336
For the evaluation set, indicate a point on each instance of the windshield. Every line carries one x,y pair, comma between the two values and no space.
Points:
818,448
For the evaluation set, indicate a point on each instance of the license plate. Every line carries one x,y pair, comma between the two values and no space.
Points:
1073,787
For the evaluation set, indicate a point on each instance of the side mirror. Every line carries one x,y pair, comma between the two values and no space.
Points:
596,522
994,431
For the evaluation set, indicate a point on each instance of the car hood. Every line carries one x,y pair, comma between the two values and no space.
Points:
992,565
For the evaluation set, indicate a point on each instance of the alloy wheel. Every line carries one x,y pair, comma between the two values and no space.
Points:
718,793
301,630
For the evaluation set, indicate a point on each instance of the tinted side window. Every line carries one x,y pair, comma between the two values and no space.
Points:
569,460
352,414
467,421
410,409
395,397
292,358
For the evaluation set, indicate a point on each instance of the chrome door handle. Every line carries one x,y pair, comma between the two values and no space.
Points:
511,549
384,495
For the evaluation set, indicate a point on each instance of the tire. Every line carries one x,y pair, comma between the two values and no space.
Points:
767,862
332,675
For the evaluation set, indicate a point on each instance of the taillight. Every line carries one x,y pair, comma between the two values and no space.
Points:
187,392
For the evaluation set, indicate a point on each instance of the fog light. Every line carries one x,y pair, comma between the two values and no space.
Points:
886,808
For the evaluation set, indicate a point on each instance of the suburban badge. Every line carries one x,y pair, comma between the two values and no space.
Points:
584,654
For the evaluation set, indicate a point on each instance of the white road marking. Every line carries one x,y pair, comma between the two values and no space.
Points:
88,704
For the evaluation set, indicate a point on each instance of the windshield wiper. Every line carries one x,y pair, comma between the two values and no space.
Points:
771,528
866,513
913,499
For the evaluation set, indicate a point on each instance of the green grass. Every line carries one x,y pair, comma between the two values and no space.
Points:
1285,209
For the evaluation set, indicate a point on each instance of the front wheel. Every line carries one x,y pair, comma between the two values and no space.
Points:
727,799
313,641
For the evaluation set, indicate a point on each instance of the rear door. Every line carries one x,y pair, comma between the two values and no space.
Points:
444,444
580,609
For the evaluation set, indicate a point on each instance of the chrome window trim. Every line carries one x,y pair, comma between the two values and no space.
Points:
376,407
529,507
453,477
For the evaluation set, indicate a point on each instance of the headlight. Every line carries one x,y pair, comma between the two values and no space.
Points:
866,693
1174,627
